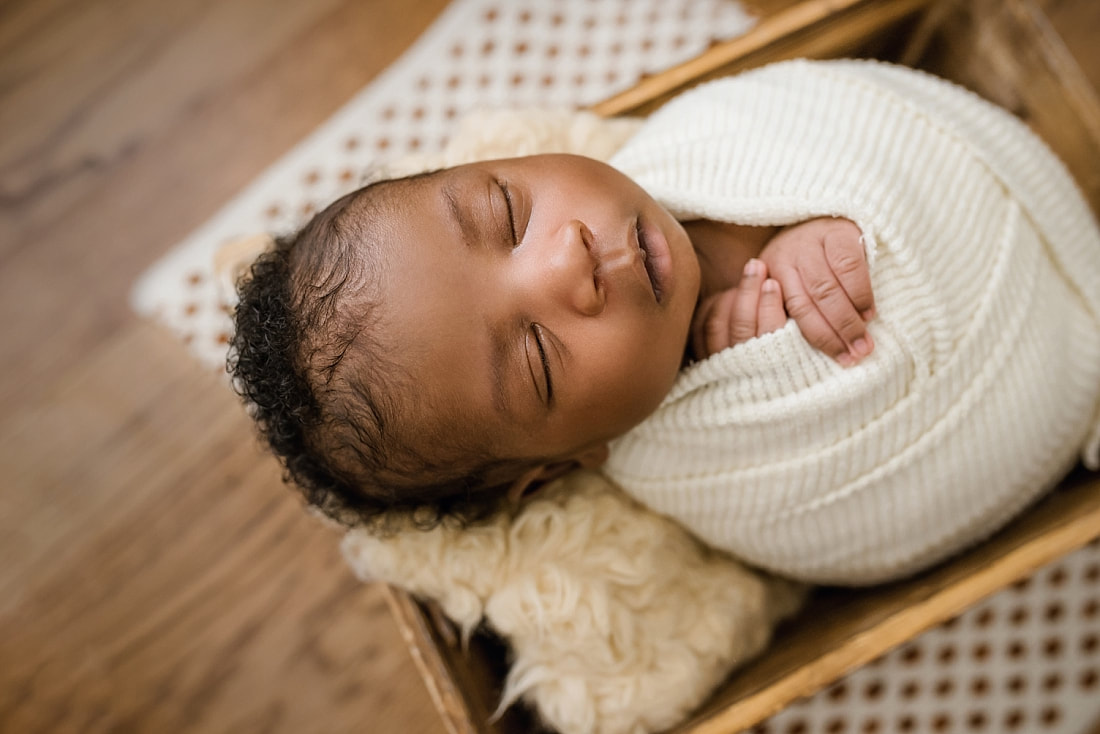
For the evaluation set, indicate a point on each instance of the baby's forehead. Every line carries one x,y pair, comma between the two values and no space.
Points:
386,212
377,213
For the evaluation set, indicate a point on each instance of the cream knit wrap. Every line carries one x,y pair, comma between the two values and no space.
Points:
984,385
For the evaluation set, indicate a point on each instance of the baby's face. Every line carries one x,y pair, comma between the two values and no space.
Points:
540,305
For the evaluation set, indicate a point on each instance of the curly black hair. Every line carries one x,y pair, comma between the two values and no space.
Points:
326,400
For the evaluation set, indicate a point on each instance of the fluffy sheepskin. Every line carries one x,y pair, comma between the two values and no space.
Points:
619,621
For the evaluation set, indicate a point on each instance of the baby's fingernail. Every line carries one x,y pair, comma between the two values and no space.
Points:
868,314
771,286
845,359
752,267
861,347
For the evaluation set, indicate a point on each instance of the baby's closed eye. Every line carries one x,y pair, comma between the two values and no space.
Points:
539,364
517,225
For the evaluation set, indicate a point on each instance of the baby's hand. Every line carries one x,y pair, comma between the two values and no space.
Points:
735,315
826,285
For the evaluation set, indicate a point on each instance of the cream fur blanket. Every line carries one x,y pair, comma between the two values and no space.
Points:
619,622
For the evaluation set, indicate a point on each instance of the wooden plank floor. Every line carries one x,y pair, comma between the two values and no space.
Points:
155,574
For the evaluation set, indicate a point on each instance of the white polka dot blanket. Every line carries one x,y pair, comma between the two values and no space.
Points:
1025,660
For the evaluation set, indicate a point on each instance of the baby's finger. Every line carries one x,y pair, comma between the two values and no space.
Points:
845,255
831,301
813,325
743,323
770,316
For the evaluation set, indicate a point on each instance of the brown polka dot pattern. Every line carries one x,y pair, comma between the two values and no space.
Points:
1025,660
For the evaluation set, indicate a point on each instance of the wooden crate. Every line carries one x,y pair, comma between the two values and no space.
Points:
1004,50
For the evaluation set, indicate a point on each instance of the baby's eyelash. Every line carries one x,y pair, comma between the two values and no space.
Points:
511,213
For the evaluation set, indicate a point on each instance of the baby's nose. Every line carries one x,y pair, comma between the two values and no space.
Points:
574,270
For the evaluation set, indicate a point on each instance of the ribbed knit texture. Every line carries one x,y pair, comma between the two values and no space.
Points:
984,386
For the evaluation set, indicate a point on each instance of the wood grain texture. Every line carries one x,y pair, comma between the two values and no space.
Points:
157,576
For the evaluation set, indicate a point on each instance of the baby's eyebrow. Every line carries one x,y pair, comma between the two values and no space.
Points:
465,224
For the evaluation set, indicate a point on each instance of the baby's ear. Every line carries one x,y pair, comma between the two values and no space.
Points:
536,476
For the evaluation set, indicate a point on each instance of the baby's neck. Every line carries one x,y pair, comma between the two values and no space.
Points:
723,249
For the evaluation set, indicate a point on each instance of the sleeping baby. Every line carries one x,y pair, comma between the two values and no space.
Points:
840,319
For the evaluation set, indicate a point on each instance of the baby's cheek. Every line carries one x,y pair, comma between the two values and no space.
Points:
647,380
